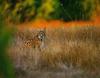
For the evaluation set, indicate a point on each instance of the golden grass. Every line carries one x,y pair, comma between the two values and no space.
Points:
78,47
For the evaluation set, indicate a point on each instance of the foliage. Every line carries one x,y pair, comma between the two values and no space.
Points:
26,10
6,70
77,10
19,11
49,9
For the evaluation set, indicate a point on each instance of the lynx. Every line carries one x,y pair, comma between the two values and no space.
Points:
37,42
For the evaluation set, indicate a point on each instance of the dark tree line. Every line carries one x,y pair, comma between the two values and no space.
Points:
25,10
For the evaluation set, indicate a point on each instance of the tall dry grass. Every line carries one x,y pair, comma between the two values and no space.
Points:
65,48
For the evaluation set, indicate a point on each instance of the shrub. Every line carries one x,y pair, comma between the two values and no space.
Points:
77,10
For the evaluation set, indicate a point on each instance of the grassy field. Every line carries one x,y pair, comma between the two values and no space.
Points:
72,52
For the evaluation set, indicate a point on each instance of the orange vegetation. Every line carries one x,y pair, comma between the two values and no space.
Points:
58,23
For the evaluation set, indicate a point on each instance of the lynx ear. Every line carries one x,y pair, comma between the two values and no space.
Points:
44,29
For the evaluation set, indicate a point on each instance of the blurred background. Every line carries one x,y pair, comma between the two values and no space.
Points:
18,11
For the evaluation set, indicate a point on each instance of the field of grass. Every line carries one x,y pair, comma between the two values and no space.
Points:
72,52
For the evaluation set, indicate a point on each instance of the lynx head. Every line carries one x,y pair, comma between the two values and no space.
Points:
42,34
